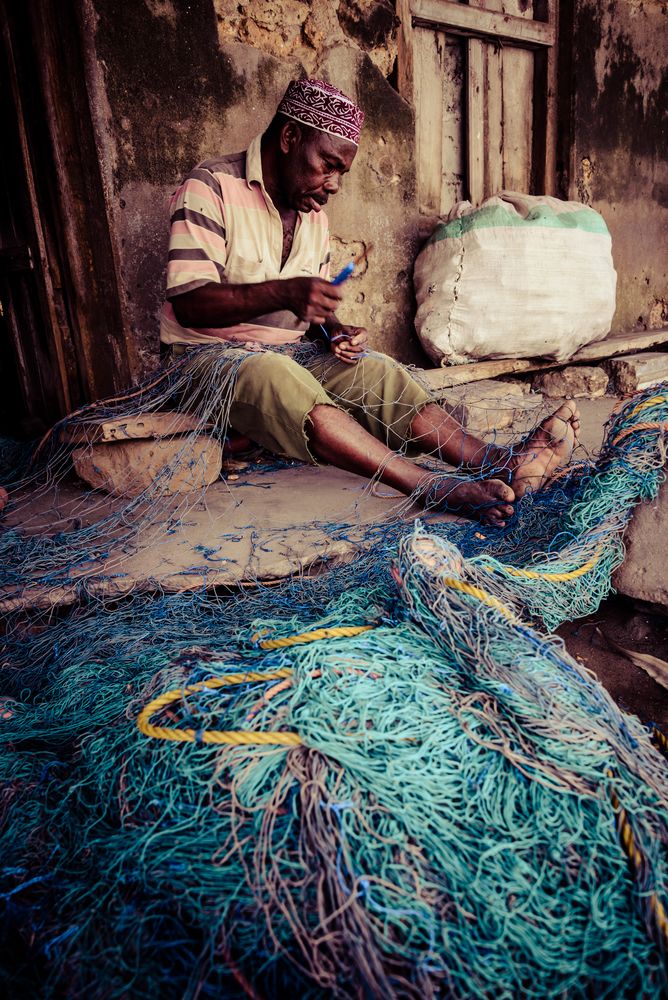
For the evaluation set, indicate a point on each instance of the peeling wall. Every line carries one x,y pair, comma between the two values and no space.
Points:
618,143
173,83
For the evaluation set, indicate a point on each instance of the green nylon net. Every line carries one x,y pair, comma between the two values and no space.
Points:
450,826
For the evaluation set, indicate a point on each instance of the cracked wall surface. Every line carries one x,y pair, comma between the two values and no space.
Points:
619,144
174,83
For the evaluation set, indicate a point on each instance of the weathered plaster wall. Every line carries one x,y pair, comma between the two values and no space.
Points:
619,145
173,83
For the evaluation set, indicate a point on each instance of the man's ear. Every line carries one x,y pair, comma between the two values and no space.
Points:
290,136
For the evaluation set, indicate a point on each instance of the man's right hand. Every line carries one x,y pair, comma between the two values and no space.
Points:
312,300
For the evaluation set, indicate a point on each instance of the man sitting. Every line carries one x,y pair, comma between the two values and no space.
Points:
249,272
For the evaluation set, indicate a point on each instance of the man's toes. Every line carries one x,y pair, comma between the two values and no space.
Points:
496,517
501,504
497,509
566,412
501,491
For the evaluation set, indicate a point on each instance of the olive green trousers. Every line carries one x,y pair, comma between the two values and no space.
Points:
273,395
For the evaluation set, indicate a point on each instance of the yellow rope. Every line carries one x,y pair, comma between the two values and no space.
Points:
533,574
482,595
660,740
228,737
320,633
653,401
626,836
637,859
232,737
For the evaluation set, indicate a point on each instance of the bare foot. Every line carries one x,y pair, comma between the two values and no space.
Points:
546,450
489,501
3,497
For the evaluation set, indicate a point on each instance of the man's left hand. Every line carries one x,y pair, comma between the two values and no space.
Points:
348,343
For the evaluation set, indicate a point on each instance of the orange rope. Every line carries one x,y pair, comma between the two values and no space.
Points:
640,427
567,469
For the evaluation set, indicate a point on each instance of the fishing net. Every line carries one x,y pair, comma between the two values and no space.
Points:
60,538
386,780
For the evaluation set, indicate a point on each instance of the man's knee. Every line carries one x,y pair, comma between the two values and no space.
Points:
275,384
387,377
267,365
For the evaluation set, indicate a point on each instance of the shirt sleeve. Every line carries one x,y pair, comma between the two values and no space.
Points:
197,241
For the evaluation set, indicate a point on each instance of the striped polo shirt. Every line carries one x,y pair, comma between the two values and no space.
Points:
225,227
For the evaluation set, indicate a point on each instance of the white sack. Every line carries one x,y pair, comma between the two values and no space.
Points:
522,276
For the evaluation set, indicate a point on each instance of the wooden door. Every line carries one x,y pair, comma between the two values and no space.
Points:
63,340
481,76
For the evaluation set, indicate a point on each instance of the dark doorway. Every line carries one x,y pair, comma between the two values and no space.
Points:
32,388
62,336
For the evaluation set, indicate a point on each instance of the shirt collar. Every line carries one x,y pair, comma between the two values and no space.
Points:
254,162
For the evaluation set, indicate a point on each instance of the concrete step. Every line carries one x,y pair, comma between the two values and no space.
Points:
489,405
638,371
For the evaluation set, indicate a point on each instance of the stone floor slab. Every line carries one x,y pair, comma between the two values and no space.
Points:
261,526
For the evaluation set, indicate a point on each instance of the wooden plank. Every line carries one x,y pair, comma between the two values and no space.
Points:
165,423
456,17
405,45
59,331
518,73
619,344
544,139
493,107
494,143
550,146
439,145
517,119
568,151
453,167
106,350
475,121
429,117
539,182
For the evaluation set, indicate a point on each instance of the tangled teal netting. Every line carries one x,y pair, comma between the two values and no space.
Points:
447,827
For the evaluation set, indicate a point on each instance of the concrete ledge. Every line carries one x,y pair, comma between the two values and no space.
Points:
488,406
644,572
638,371
612,346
